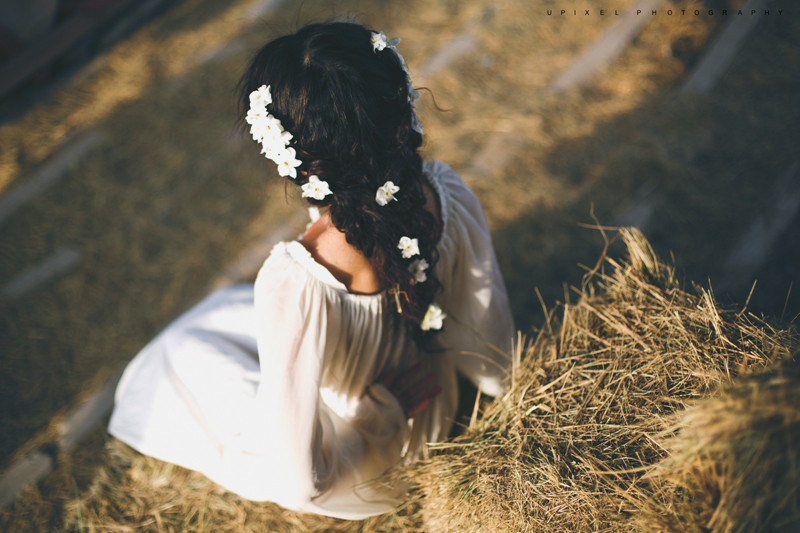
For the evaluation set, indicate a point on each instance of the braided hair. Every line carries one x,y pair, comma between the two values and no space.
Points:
347,107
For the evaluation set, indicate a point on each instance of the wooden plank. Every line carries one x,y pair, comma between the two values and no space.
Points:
33,58
62,37
246,265
639,211
23,473
605,49
497,152
456,48
721,54
52,267
125,25
223,51
754,246
263,8
48,174
83,418
78,424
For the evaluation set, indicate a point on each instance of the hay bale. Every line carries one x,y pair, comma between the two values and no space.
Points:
567,447
734,462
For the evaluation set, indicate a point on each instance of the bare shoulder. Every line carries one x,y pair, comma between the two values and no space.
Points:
329,247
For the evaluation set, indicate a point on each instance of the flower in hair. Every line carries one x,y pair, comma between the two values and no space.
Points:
433,319
256,116
316,188
408,246
273,144
287,164
261,97
380,41
417,269
386,192
268,130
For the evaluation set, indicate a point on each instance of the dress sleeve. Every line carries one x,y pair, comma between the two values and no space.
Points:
479,328
320,456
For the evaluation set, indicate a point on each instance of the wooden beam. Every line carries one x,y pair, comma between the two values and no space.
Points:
43,51
721,54
605,49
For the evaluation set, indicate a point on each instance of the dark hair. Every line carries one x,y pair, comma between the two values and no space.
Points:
347,107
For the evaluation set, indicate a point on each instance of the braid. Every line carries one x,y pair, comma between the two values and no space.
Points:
348,110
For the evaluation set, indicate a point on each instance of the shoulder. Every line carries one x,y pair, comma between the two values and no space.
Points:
328,247
445,179
440,170
455,195
289,264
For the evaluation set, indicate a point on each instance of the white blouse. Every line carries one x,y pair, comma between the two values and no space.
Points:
270,389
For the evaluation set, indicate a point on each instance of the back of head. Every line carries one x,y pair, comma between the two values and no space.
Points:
348,107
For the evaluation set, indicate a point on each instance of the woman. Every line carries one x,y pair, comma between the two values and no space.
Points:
340,362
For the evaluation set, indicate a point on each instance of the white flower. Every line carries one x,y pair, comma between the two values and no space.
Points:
261,97
287,164
386,192
271,150
433,318
417,269
315,188
273,144
273,128
268,130
409,247
257,131
255,115
380,41
264,130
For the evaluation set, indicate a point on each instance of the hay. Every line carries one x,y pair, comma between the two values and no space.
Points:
733,463
639,407
567,447
134,492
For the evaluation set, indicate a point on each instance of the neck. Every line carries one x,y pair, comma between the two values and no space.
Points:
329,247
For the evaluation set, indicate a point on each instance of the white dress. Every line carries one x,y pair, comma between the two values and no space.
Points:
270,389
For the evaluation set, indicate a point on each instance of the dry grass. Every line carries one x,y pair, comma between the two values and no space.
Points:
172,195
567,447
132,492
733,463
594,433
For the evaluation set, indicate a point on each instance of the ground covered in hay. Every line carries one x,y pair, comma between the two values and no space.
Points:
640,406
167,196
